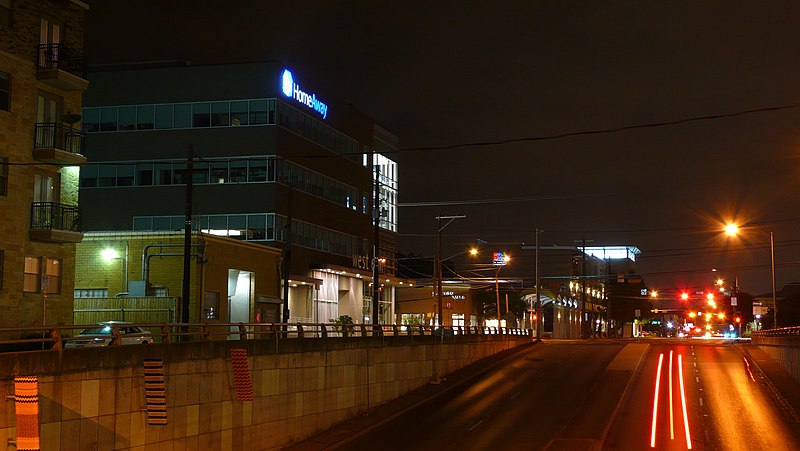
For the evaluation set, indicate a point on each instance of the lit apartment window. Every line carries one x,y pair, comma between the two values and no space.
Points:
3,176
31,274
5,90
53,273
211,305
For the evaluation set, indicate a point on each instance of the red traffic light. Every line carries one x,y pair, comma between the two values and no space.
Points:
738,319
535,317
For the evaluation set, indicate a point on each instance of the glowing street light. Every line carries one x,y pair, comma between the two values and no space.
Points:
684,296
732,229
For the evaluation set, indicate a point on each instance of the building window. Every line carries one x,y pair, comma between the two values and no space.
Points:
211,305
53,276
31,275
90,292
5,91
3,176
6,13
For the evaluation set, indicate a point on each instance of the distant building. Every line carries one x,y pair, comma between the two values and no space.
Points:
276,161
233,280
42,78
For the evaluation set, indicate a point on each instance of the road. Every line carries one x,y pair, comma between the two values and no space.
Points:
602,395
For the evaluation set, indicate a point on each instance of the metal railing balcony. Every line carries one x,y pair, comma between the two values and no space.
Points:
58,56
55,216
53,135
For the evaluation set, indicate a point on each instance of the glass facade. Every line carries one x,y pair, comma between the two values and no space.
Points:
228,113
261,227
219,171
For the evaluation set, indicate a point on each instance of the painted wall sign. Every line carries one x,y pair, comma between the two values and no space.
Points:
293,90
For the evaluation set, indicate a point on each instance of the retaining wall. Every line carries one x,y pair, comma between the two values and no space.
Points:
94,398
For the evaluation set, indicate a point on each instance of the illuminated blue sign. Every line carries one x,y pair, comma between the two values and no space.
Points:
292,89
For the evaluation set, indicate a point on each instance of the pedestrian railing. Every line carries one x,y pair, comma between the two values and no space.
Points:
780,332
56,337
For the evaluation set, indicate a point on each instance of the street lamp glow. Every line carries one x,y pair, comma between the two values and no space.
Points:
473,251
654,294
731,229
109,254
720,282
684,296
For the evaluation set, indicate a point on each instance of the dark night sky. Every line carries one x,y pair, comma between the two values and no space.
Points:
444,73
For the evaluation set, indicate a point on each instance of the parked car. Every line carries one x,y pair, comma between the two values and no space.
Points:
101,335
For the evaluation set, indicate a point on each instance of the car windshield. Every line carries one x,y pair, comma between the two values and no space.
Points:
97,331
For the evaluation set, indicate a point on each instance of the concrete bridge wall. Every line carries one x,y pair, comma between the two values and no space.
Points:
94,399
784,349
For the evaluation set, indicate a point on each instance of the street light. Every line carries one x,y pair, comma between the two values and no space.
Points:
500,259
732,229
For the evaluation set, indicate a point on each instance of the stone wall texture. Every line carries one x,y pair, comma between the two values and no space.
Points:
94,398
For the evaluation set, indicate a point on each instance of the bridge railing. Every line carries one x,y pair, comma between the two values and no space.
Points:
57,336
780,332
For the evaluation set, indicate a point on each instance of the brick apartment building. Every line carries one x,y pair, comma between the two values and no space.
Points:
42,78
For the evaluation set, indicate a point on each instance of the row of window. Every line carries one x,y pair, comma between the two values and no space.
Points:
216,171
261,227
232,113
179,115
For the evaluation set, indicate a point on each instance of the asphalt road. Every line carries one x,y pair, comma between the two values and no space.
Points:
601,395
728,406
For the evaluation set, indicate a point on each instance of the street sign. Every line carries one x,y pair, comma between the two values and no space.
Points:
637,313
733,300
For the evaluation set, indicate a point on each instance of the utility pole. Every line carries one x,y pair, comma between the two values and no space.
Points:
376,211
584,331
187,238
438,264
538,306
287,256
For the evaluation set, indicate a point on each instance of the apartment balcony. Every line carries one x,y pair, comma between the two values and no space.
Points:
55,223
61,67
58,143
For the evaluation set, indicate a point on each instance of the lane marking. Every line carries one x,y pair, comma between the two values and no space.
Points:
748,369
683,403
671,414
701,402
474,425
697,379
655,402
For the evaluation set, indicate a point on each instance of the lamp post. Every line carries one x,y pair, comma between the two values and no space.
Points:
439,228
732,229
500,259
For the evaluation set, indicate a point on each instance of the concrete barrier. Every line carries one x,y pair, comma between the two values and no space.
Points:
94,398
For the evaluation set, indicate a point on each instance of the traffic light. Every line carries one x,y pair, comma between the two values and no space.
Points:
684,296
737,319
535,317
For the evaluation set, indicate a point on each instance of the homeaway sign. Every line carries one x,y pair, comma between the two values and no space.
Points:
293,90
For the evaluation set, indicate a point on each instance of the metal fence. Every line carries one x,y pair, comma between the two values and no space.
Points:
55,337
781,332
58,56
55,216
52,135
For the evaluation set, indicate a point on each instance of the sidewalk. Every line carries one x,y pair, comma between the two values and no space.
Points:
343,433
785,389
